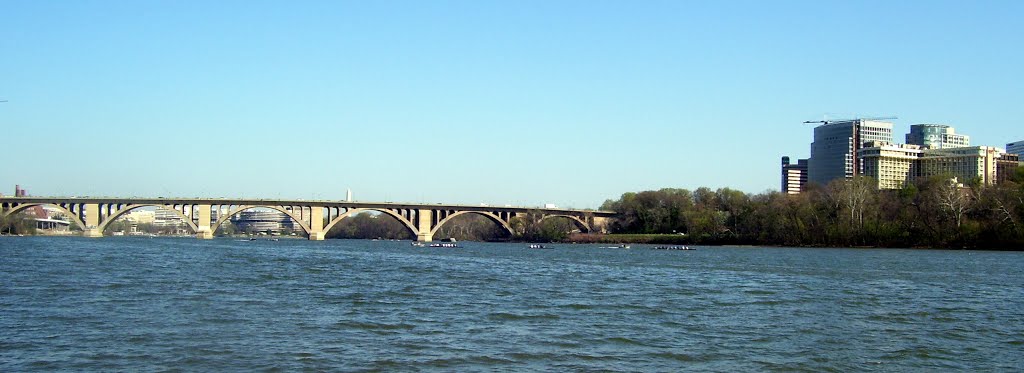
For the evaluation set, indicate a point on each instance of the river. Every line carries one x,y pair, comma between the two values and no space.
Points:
156,304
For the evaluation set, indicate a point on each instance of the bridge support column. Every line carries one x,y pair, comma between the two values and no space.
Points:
316,223
599,225
92,221
423,225
203,231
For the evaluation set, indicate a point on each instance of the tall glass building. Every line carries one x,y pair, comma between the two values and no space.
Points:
1015,147
936,136
834,150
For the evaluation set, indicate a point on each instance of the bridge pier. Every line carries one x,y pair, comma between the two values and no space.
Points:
204,232
423,225
92,233
92,221
316,223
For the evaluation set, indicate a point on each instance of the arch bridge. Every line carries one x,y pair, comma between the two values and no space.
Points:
204,215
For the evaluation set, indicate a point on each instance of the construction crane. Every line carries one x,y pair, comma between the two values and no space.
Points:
830,121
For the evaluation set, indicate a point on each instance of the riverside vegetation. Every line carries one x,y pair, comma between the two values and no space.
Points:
934,212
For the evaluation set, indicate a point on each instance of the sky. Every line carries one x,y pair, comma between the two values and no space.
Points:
512,102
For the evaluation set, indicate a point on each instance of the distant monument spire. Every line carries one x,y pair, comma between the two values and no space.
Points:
348,195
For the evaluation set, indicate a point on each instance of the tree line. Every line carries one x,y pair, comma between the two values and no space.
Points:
16,224
934,212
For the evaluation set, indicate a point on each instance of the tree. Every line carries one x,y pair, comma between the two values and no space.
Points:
954,199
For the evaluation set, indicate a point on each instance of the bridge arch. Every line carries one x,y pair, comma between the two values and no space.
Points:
501,223
575,219
238,209
408,224
71,215
124,210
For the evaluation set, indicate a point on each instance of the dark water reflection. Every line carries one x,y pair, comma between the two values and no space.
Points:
185,304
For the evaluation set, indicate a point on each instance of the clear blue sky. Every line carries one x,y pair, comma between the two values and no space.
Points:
519,102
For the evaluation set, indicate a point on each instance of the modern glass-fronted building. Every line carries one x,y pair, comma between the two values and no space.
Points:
1015,147
255,220
834,150
936,136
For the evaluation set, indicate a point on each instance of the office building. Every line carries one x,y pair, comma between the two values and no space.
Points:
794,176
165,218
1006,166
936,136
141,216
1015,147
835,146
267,221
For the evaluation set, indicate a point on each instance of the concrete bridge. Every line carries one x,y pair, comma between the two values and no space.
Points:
204,215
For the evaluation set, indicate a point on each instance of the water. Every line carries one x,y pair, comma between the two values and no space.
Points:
224,305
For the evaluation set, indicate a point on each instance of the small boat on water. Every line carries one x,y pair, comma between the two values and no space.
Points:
615,247
684,247
419,244
537,246
447,244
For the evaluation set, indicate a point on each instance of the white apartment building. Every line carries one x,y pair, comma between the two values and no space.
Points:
892,165
964,163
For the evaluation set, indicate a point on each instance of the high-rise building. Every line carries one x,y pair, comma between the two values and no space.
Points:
834,150
892,165
1015,147
936,136
794,176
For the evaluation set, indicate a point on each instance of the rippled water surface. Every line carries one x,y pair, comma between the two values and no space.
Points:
185,304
